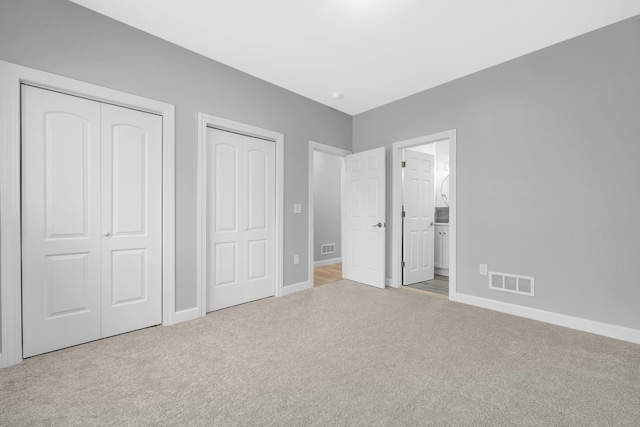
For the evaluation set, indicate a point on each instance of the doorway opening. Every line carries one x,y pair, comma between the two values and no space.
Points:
326,173
424,225
425,216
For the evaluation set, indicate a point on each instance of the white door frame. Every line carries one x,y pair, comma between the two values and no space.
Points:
204,121
11,77
327,149
396,219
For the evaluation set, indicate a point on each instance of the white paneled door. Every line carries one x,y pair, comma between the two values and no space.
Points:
240,219
91,220
419,206
365,217
131,219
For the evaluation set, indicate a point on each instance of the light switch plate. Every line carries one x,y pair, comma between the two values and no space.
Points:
297,208
296,259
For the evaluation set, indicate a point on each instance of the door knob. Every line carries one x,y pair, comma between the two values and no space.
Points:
377,225
106,233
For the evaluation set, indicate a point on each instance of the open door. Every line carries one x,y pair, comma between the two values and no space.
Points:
418,225
365,217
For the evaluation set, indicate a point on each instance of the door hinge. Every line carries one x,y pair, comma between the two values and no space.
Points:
404,214
403,264
404,164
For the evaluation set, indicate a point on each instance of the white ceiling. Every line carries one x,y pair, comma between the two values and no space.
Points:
372,51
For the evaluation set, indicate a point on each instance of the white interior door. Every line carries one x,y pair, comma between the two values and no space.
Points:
91,220
365,217
240,219
60,231
131,217
418,186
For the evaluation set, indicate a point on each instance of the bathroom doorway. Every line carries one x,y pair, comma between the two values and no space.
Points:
425,216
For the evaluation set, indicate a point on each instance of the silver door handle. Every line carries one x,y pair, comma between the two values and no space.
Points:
106,234
377,225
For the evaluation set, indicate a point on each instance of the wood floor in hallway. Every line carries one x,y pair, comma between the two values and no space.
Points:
327,274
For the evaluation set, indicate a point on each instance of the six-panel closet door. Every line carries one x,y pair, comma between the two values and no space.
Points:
91,220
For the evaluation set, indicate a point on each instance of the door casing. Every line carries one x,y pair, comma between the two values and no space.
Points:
11,77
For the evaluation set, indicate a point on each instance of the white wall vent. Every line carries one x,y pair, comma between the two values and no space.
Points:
328,248
513,283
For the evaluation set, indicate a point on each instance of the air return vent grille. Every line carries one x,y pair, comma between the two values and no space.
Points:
328,248
513,283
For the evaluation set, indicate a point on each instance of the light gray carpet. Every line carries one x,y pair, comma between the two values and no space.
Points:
341,354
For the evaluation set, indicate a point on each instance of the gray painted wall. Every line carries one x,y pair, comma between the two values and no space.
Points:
327,169
547,171
62,38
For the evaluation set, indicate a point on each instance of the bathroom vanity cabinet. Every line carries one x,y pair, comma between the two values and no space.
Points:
441,252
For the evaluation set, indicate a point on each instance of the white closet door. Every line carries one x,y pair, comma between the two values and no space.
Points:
240,219
60,220
91,220
131,220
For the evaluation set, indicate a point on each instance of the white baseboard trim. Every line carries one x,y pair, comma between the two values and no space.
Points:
326,262
441,271
297,287
185,315
598,328
389,283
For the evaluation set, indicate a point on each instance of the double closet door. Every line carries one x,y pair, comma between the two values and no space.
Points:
91,220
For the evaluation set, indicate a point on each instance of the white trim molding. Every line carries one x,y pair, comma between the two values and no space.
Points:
11,77
327,149
205,121
186,315
326,262
598,328
396,219
296,287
